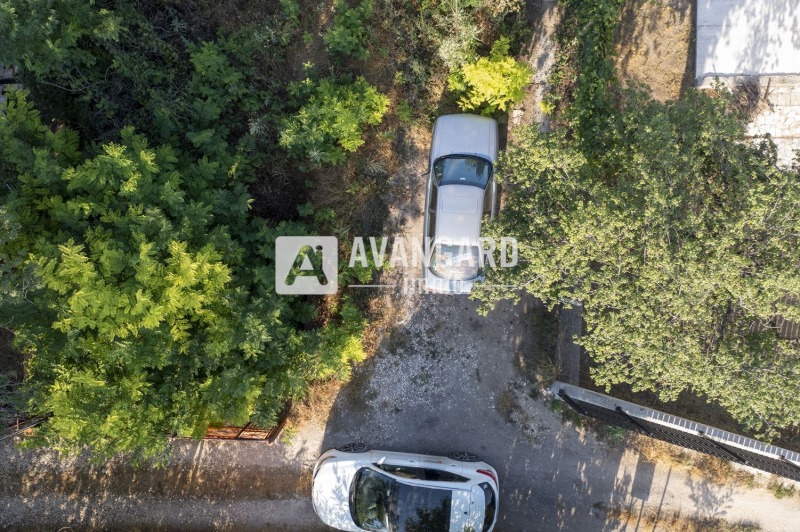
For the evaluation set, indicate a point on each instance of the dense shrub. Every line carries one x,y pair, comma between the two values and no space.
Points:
332,118
493,83
457,31
348,34
458,27
42,37
291,10
102,66
501,8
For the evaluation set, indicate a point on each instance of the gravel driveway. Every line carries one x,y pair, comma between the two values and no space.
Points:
448,379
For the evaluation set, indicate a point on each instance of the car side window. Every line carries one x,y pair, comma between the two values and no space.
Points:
403,471
419,473
488,199
432,225
443,476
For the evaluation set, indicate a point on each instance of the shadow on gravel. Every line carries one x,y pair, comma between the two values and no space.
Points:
448,379
38,490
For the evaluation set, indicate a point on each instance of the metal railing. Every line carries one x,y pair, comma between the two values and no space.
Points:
680,431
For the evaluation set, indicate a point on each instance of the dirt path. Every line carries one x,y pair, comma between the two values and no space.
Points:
207,485
544,16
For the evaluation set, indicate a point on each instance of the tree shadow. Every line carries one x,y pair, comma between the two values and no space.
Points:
710,500
201,477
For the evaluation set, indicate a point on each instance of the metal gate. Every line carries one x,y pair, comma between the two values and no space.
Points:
250,431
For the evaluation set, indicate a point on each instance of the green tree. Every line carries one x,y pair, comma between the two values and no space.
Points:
138,281
142,292
681,241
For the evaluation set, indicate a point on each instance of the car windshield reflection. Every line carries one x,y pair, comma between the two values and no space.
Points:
462,170
381,503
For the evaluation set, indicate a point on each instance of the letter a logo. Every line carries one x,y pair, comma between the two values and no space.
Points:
306,265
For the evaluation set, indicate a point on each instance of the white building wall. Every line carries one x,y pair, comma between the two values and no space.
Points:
747,37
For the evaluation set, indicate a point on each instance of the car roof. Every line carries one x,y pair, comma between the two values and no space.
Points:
458,213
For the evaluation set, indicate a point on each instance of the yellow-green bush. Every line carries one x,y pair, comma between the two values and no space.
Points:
492,83
332,119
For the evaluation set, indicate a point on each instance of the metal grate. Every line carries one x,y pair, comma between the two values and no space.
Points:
680,431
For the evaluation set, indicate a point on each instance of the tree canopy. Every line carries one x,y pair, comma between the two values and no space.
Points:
680,239
143,295
137,281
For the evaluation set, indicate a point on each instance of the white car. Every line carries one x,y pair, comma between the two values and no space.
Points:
356,489
461,190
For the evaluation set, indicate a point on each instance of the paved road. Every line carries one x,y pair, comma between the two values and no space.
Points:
207,485
146,514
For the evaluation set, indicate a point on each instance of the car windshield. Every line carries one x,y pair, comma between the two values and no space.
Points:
379,502
462,170
458,263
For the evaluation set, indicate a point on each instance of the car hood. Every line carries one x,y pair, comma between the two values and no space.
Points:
465,134
330,495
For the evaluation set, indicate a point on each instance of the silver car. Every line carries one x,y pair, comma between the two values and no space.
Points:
461,190
355,489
